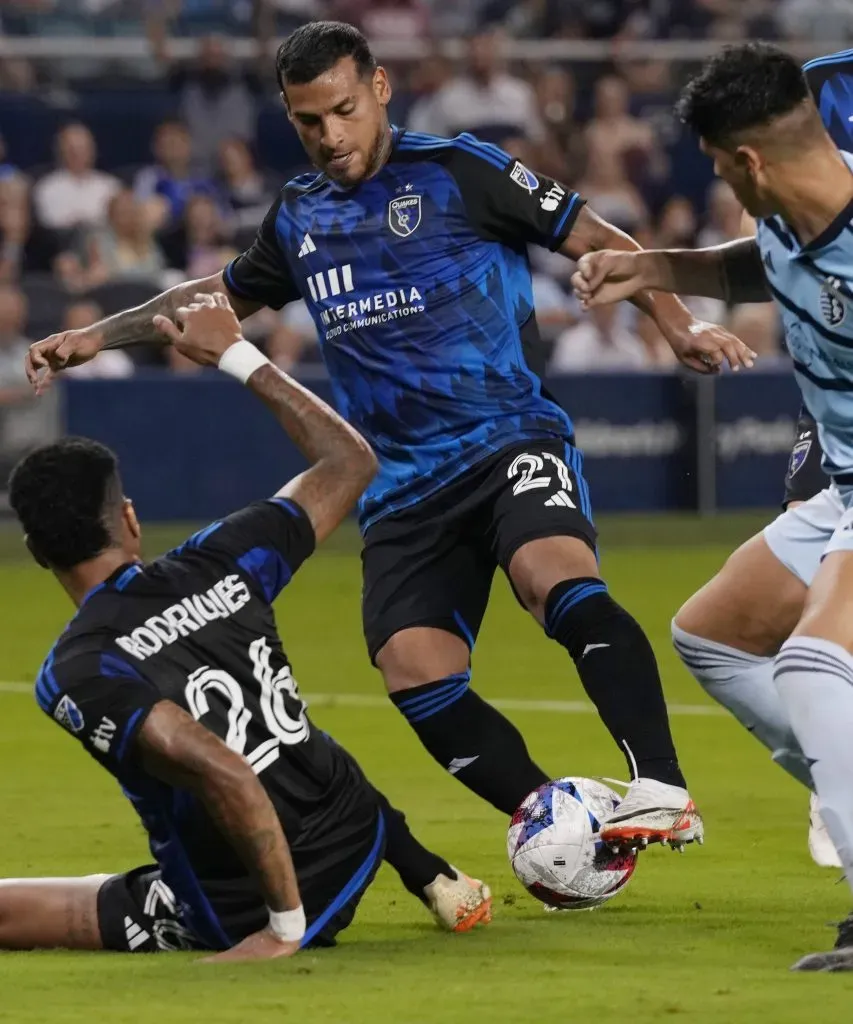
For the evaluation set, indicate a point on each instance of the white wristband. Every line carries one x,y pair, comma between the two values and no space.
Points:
241,359
288,925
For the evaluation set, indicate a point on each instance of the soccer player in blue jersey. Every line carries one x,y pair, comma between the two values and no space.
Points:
786,595
410,252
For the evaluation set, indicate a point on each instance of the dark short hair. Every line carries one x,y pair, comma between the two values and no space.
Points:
316,47
741,88
65,495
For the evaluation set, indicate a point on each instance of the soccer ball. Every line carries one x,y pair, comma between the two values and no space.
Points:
553,848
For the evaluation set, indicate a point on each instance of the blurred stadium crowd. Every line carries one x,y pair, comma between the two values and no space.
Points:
118,178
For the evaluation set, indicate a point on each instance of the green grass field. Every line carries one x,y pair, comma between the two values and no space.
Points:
708,936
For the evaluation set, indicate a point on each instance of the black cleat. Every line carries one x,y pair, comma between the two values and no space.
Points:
838,959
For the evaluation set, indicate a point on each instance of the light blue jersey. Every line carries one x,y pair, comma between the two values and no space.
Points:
813,288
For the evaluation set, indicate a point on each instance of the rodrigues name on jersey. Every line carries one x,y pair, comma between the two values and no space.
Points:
420,289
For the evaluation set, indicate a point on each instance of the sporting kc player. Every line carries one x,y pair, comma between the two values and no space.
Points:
264,832
410,252
755,117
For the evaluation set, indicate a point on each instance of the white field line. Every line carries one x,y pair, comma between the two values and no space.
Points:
366,700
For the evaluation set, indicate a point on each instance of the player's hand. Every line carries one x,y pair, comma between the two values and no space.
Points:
203,330
263,945
705,347
46,358
610,275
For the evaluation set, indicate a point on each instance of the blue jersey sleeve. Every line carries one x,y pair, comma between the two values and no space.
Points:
267,541
507,202
261,273
100,699
830,80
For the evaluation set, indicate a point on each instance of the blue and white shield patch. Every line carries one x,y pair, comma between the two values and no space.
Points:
799,454
68,715
404,215
523,178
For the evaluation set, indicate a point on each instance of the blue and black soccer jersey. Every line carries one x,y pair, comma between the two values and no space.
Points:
831,83
196,628
419,285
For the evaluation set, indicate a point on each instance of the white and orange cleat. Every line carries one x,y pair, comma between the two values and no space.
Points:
653,812
458,904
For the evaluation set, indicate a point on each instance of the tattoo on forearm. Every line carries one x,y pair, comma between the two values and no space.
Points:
176,749
134,326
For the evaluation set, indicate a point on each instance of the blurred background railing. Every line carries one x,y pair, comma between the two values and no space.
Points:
143,142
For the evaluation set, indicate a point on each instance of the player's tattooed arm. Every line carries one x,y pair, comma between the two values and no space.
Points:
612,266
132,326
173,747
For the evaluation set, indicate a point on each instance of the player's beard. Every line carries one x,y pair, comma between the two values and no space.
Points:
379,150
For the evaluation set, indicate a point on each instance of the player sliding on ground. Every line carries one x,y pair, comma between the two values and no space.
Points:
410,252
752,110
172,675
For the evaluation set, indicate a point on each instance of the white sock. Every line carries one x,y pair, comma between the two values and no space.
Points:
743,683
815,682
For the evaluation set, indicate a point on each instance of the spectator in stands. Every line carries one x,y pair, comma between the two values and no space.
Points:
25,421
111,363
25,246
75,194
607,188
382,20
599,343
807,19
613,125
294,337
677,225
199,245
428,78
217,101
166,186
486,99
724,216
247,193
556,96
122,250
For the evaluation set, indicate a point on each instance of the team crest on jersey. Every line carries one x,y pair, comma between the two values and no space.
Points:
799,454
404,215
68,715
523,178
832,305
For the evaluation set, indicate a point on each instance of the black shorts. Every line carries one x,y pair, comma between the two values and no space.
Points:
432,564
805,476
138,912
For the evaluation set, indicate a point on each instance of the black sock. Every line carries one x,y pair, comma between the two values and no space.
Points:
472,740
415,864
618,670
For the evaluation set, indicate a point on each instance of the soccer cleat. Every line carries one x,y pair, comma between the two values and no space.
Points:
821,846
653,812
458,904
838,959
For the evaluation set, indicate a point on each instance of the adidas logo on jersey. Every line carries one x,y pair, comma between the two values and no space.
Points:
135,934
306,247
331,282
560,498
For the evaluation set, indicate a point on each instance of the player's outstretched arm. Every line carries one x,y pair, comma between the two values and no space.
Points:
70,348
174,748
343,463
732,272
612,266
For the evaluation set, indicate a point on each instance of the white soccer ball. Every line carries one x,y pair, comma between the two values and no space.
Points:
554,850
